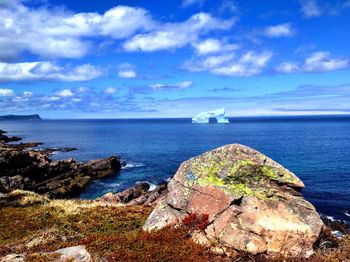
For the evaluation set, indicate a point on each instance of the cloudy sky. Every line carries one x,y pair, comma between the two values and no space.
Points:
156,58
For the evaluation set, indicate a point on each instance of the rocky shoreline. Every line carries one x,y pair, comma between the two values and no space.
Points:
231,201
25,166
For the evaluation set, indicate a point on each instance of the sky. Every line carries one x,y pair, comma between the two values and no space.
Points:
156,58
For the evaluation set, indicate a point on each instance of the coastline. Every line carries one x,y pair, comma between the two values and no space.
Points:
139,198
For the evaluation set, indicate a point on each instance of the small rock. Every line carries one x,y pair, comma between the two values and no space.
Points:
13,258
74,254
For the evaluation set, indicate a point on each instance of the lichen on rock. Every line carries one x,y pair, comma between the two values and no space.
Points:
253,203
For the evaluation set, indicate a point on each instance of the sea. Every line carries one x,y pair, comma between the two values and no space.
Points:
315,148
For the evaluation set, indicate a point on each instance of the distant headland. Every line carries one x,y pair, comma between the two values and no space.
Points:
20,117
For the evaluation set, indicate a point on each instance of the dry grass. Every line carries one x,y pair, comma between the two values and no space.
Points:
32,224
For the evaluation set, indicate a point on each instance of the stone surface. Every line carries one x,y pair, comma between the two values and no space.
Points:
253,203
136,195
74,254
25,167
13,258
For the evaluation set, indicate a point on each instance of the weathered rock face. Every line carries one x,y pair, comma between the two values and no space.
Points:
253,203
22,167
136,195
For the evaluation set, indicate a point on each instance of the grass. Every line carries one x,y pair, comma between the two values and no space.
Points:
33,224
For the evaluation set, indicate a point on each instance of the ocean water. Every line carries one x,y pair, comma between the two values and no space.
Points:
317,149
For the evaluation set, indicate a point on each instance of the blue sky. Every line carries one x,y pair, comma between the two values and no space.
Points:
121,59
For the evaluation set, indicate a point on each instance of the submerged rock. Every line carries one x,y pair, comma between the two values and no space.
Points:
253,204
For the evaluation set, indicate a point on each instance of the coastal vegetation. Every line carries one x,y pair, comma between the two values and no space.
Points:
35,225
177,221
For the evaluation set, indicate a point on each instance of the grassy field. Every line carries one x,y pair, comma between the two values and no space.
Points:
35,225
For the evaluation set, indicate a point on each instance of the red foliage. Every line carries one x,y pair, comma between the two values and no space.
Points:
196,222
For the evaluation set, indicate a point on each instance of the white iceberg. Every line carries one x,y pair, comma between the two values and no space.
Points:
203,117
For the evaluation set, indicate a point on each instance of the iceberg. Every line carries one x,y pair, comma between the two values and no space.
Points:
203,117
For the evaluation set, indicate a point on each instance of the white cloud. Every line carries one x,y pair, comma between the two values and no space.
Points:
6,92
176,35
64,93
322,61
208,46
249,64
110,90
316,62
56,33
27,93
211,46
287,67
46,71
310,8
282,30
182,85
127,71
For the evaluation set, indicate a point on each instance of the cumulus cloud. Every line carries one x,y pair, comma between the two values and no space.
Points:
181,85
64,93
56,33
282,30
176,35
316,62
288,67
127,71
6,92
46,71
27,93
322,61
248,64
210,46
110,90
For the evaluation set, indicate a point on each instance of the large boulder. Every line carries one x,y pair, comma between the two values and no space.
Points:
253,204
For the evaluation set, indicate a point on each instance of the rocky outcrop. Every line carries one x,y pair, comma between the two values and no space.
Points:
6,139
136,195
252,203
24,167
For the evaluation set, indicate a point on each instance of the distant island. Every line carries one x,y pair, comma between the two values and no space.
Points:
20,117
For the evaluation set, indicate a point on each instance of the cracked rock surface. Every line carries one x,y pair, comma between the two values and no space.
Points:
253,203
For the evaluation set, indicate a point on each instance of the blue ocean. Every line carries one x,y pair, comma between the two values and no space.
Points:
317,149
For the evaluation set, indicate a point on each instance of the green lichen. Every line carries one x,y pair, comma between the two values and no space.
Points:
244,178
284,177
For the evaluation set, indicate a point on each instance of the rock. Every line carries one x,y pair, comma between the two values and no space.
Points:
336,225
23,167
126,195
101,168
136,195
253,204
13,258
150,198
74,254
